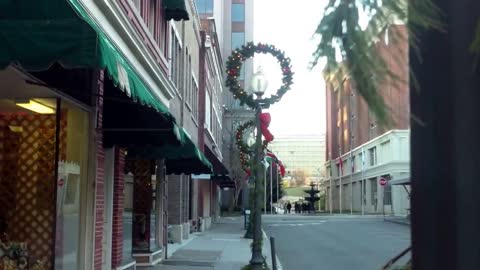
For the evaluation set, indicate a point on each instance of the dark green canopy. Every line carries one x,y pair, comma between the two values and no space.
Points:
37,33
187,159
175,9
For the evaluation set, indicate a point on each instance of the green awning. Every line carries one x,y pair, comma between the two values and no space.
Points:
186,159
36,34
175,9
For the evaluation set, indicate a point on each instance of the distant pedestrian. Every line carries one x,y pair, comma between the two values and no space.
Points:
289,207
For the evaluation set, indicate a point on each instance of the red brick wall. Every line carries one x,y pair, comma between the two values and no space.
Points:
118,189
394,92
329,133
100,178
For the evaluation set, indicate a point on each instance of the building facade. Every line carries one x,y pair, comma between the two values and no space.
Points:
234,28
302,155
387,157
101,136
351,125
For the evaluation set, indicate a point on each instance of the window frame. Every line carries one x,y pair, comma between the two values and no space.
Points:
233,17
372,156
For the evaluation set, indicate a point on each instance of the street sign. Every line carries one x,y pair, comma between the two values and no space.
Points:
383,181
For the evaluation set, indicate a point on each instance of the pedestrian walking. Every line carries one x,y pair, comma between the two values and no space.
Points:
289,207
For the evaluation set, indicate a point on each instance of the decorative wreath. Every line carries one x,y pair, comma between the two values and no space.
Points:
242,146
234,65
244,158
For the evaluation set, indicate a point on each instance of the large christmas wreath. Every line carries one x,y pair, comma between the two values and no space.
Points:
242,146
234,65
246,152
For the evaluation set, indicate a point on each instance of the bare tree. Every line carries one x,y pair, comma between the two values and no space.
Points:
300,177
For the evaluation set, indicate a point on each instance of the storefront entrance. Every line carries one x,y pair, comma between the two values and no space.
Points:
43,175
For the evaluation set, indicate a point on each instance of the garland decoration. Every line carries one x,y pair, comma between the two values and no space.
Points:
234,65
242,146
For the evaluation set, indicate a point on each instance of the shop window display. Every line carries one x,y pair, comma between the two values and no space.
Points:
43,156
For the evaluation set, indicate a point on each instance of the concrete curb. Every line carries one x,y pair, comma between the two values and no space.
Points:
266,246
398,222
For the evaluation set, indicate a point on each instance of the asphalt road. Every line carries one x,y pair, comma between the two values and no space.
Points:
335,242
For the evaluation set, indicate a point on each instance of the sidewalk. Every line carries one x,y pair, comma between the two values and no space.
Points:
220,248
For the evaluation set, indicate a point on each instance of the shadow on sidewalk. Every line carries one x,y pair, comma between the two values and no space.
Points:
222,247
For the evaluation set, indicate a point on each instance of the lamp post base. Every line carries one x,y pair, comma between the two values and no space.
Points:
256,263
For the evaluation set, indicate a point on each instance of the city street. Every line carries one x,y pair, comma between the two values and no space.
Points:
335,242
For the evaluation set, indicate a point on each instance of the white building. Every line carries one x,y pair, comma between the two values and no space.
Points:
388,157
304,153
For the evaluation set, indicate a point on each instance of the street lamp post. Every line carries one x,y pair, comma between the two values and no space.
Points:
259,85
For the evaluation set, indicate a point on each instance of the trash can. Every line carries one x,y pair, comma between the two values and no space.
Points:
246,218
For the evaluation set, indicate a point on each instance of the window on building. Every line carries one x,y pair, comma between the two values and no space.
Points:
137,4
387,191
384,152
208,111
204,6
338,170
152,17
360,162
372,152
352,164
176,62
188,80
238,39
238,12
195,98
373,188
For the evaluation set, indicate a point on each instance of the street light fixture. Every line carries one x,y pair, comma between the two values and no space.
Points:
259,85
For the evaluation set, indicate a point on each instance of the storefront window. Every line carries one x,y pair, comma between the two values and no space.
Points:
153,218
33,141
128,218
72,176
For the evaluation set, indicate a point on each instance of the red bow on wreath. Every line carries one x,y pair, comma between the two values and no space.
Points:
265,120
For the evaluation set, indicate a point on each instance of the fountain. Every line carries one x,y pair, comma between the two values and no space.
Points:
312,198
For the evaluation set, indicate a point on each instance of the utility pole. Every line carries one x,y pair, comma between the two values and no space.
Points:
340,181
330,199
352,116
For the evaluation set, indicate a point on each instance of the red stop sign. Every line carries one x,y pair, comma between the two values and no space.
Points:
383,181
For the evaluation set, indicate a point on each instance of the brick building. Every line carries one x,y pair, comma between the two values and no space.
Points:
351,126
100,130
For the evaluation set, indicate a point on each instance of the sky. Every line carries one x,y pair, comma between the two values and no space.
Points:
289,26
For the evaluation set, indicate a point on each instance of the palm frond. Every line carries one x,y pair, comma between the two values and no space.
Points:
340,30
